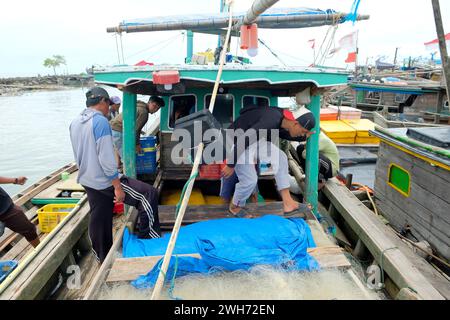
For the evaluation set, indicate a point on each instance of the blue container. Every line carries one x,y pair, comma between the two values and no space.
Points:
6,267
146,161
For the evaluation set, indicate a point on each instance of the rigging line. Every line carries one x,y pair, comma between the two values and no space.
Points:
121,46
272,52
154,45
117,48
292,57
160,49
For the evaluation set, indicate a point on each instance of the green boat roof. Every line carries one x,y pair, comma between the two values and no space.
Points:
282,81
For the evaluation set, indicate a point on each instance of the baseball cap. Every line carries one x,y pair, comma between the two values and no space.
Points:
97,92
306,118
115,100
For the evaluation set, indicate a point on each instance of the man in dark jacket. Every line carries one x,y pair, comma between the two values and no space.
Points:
254,133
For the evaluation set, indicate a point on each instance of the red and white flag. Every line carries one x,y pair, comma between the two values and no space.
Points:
434,45
348,43
312,43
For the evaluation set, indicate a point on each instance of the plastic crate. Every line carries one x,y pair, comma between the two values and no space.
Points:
211,171
51,215
6,267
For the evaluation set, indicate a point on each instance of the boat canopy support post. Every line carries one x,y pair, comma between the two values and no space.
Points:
312,157
190,46
129,133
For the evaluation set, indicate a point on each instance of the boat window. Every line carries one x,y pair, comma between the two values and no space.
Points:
223,108
181,106
399,179
256,100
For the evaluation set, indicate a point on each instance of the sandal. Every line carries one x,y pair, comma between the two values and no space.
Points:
243,213
300,212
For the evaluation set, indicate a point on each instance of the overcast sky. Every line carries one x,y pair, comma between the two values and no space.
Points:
31,31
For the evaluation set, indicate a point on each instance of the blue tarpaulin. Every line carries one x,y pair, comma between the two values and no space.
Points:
228,245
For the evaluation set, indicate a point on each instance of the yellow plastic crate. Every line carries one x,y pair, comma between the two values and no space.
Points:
344,140
362,126
172,197
337,129
367,140
51,215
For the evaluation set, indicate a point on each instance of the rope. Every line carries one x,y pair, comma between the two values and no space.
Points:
365,188
172,282
272,52
117,48
353,12
183,192
121,46
153,46
381,265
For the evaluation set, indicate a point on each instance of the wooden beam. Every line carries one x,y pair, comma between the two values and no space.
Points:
382,243
219,211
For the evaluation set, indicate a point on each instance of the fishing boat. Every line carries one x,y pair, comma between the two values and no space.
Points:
404,103
342,224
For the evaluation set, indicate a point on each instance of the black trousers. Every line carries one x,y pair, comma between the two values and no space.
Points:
140,195
325,165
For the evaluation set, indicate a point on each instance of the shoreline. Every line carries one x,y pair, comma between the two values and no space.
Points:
19,85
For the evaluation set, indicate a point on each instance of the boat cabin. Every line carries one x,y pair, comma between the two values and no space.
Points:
187,89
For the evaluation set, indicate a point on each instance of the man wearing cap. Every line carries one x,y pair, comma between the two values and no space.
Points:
114,108
91,138
142,112
328,158
253,134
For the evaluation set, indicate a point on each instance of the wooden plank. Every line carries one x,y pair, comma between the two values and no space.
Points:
380,241
26,194
202,213
44,185
398,219
54,190
128,269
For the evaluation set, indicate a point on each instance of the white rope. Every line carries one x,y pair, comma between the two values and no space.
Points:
222,57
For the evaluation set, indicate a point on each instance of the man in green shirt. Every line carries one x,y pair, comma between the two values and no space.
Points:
328,158
142,111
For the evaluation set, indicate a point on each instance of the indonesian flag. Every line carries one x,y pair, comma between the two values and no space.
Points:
312,43
348,43
434,45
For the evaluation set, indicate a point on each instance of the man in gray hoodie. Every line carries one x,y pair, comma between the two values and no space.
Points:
91,138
